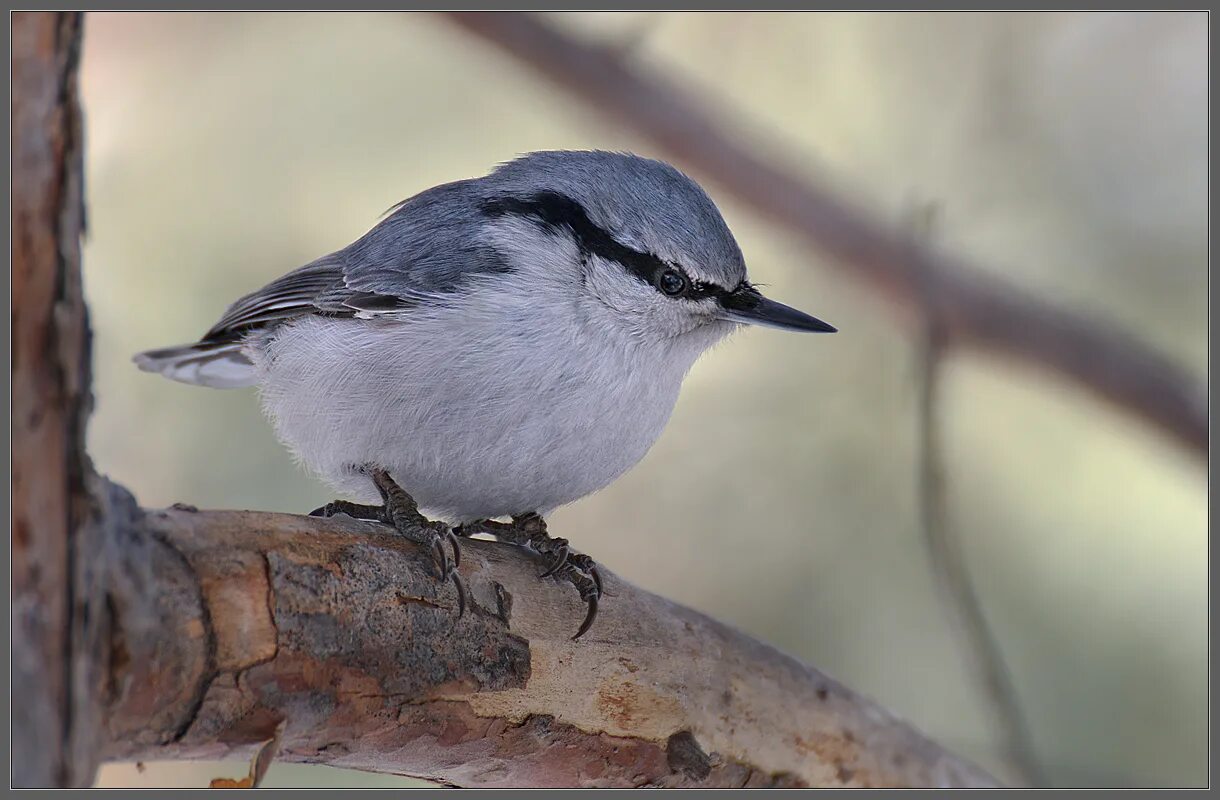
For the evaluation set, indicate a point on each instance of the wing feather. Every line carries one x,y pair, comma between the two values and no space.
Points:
424,250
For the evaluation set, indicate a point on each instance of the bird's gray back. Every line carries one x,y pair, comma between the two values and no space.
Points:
428,244
425,248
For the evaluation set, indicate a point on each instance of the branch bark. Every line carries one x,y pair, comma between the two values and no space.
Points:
976,311
231,623
185,634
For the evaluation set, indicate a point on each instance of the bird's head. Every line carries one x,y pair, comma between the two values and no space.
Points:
635,236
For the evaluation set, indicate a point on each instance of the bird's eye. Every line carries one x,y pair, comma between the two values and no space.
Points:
672,282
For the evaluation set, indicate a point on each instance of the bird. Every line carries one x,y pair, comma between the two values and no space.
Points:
493,348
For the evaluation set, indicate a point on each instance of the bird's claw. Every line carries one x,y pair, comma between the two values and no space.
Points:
449,570
460,585
527,530
582,573
558,558
442,558
401,512
584,562
577,569
353,510
590,589
562,563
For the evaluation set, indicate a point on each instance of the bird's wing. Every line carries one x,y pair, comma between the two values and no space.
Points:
425,249
292,295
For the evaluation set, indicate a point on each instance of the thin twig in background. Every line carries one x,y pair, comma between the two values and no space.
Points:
980,649
978,311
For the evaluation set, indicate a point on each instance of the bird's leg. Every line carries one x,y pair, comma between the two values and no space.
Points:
401,511
562,563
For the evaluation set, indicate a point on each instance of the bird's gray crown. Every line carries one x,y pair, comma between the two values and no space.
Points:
634,210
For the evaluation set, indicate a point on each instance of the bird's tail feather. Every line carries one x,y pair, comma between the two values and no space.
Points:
219,364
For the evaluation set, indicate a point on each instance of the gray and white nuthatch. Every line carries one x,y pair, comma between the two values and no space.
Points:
498,346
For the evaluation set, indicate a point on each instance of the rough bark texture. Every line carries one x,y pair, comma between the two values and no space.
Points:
51,513
974,311
231,623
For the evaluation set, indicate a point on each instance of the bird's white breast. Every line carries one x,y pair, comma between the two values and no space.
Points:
487,404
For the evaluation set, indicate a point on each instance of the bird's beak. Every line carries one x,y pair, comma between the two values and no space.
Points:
746,305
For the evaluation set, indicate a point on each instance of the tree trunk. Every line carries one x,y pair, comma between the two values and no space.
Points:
51,511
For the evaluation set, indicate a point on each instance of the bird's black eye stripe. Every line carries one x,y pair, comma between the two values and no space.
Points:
744,298
554,211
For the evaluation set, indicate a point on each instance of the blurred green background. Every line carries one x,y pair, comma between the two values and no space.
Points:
1067,152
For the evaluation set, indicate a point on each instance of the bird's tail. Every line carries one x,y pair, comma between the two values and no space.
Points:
218,364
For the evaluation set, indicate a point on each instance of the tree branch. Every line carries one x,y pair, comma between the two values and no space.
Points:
230,623
976,311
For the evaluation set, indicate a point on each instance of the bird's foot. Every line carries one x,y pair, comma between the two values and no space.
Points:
401,511
353,510
562,563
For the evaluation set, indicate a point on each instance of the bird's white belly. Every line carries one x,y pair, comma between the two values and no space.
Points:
470,432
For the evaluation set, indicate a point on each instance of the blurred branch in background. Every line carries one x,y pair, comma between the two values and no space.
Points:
975,311
980,649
